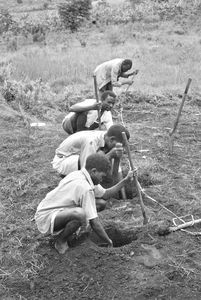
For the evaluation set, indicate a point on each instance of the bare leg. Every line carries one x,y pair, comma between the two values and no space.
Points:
69,220
81,121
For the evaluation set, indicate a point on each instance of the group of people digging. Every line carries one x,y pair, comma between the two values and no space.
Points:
83,159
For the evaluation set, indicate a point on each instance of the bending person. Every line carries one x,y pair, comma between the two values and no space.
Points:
84,115
72,153
108,74
72,203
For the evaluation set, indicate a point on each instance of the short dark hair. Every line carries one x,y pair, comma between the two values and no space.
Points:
98,161
107,93
116,131
127,62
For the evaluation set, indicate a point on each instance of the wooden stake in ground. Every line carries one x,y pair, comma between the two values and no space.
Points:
178,115
97,99
145,221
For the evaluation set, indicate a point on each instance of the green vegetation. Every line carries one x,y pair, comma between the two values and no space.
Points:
74,12
6,21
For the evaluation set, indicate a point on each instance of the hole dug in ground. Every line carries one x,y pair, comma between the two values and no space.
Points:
119,232
119,238
123,223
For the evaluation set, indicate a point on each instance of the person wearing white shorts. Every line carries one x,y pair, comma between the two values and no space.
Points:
72,203
72,153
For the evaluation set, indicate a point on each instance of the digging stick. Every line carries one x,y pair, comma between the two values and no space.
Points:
97,100
117,174
135,178
179,113
123,190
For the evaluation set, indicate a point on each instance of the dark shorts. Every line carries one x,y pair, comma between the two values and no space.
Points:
77,123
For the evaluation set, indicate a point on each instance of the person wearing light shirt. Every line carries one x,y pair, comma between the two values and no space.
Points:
72,153
84,115
108,74
72,203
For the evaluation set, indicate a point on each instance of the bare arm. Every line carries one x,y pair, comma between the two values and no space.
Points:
115,152
99,230
114,189
119,84
82,107
117,187
125,75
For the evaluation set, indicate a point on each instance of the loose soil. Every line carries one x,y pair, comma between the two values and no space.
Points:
142,265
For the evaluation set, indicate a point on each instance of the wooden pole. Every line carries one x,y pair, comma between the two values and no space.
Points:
117,174
135,178
97,100
179,114
123,190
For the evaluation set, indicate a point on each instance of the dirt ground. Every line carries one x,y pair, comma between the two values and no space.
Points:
144,266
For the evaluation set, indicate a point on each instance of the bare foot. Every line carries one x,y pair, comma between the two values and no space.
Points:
61,247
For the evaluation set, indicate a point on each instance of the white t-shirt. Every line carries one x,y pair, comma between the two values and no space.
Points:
75,190
108,72
83,143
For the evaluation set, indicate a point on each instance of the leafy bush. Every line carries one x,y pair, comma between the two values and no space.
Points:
141,10
74,12
6,21
35,98
104,14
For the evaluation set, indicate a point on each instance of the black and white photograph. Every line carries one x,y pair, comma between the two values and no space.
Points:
100,149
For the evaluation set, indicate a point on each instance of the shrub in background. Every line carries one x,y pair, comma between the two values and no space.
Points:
6,21
74,12
34,97
105,14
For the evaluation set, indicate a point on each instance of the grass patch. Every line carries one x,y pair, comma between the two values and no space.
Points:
161,67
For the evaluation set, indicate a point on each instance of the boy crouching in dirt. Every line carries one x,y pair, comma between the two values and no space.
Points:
72,153
72,203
